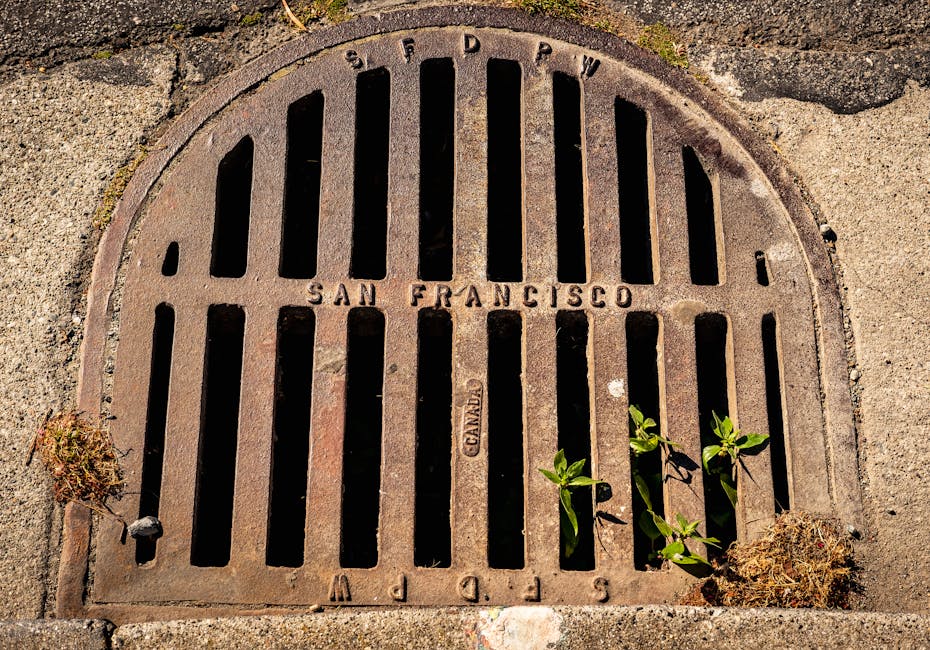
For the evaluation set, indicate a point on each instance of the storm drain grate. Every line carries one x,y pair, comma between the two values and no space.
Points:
371,297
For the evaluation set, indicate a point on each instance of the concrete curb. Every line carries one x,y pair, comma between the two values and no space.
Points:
498,629
74,634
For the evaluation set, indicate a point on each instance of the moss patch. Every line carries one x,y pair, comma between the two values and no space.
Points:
569,9
657,38
800,561
81,459
306,12
115,189
586,12
251,19
102,54
660,39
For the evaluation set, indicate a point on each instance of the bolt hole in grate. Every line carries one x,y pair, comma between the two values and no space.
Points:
370,297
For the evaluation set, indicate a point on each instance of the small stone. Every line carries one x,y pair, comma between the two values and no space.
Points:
853,531
145,527
827,232
313,609
854,374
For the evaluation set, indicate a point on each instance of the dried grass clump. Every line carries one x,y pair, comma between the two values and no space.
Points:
800,561
81,459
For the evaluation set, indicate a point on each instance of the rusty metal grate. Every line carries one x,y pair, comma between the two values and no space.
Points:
369,297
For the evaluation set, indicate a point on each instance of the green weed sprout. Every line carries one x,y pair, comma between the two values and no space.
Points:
675,534
568,477
732,444
643,441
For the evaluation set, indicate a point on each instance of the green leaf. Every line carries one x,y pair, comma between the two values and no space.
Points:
569,536
566,498
711,541
682,522
571,543
648,526
717,425
549,475
672,550
643,490
689,558
662,525
708,454
751,440
644,446
669,442
559,462
649,423
726,482
581,481
636,414
575,469
726,426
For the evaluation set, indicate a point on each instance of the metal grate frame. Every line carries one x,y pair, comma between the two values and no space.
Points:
171,200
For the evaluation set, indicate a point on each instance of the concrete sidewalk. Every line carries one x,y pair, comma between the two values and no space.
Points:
841,92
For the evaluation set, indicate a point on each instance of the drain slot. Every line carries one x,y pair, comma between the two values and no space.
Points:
642,340
569,179
156,418
574,422
301,219
432,540
361,470
437,167
774,403
762,269
632,128
505,171
702,227
710,335
505,440
233,207
169,265
291,441
372,143
216,458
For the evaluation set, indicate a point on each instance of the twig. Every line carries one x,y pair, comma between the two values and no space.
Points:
102,509
290,14
35,439
32,448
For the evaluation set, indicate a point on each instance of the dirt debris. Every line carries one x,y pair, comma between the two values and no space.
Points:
81,459
800,561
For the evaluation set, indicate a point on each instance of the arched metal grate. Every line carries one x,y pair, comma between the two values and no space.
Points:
366,300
